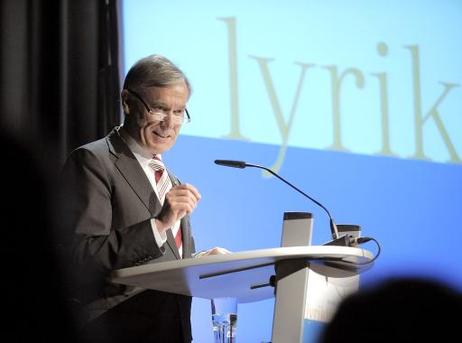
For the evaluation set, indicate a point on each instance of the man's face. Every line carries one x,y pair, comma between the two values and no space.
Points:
153,135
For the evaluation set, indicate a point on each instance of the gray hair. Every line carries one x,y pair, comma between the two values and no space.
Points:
154,71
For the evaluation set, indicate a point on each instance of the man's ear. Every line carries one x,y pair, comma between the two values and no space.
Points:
124,96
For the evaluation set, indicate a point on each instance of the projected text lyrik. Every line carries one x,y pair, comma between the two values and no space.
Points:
337,77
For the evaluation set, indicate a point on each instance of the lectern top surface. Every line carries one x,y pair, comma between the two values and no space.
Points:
240,274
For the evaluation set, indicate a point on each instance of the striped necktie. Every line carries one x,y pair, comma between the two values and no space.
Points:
164,184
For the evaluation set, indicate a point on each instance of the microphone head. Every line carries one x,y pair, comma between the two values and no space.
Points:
233,164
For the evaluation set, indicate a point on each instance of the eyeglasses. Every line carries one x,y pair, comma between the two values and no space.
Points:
159,114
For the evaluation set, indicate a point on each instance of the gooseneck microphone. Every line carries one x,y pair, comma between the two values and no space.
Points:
241,164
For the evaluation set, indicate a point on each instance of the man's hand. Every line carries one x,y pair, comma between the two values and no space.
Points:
179,201
213,251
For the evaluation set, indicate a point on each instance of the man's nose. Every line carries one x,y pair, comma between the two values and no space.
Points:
168,121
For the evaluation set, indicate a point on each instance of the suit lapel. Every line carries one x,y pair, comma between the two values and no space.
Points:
172,244
186,234
184,227
131,170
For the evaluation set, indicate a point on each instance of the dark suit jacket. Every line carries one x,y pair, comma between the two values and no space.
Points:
108,205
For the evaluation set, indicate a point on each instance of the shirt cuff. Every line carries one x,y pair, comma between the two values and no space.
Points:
160,238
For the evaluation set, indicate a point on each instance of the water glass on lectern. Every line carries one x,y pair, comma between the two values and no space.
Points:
224,319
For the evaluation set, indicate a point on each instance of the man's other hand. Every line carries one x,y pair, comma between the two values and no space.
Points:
179,201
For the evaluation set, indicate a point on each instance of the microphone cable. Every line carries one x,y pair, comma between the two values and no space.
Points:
354,242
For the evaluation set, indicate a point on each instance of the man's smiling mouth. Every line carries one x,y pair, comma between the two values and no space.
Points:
158,134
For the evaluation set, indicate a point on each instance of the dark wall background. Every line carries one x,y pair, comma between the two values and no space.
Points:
59,80
59,71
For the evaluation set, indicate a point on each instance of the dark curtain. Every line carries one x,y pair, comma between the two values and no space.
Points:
59,72
59,80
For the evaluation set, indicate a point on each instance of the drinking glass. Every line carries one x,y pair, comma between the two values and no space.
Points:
224,319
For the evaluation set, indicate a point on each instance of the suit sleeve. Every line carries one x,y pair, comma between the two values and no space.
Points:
88,207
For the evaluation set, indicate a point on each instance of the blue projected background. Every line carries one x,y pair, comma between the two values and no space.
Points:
357,103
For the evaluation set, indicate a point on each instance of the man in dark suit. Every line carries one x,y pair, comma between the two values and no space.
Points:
125,209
